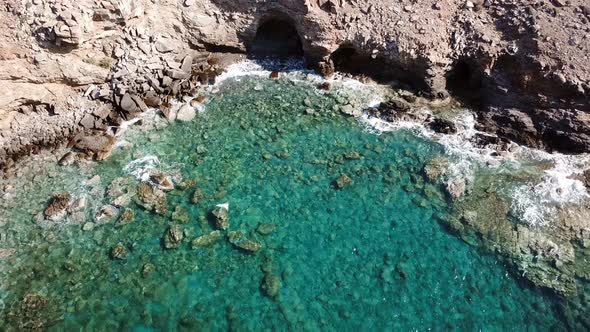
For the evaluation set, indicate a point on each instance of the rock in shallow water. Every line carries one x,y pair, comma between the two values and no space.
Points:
57,208
342,182
221,217
119,252
206,240
173,237
239,240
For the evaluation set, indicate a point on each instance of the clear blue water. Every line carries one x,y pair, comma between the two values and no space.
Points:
368,256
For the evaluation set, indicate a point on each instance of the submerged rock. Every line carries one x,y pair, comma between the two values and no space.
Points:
221,217
342,182
180,215
206,240
352,155
127,217
57,208
147,269
197,196
239,240
119,252
265,228
436,168
77,205
271,285
173,237
456,188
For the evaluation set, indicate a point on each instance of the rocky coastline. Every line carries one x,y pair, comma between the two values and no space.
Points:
70,67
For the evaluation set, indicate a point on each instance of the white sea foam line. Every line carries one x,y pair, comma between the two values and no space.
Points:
533,204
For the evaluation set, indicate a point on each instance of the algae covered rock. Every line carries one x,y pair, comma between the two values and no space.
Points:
436,168
119,252
206,240
221,216
180,215
127,217
151,199
342,182
197,196
239,240
57,208
271,285
173,237
265,228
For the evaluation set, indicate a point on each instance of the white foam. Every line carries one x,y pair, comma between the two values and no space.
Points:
224,206
142,168
534,204
538,204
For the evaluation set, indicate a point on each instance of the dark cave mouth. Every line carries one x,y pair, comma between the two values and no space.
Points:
277,37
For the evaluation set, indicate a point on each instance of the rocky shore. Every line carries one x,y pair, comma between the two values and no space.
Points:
82,66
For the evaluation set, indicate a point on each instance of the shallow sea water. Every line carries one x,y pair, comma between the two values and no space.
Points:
369,256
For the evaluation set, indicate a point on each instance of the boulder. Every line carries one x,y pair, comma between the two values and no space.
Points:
151,199
186,113
173,237
221,217
443,126
265,228
342,182
239,240
151,99
119,252
98,146
57,208
180,215
271,284
206,240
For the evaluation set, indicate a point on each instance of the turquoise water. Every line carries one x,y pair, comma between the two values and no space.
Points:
368,256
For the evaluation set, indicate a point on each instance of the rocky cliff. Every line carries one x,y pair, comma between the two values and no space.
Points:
68,66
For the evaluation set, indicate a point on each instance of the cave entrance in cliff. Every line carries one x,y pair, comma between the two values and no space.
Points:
277,37
463,82
346,59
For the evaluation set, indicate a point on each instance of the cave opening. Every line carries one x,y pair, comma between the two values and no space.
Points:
346,59
277,37
464,82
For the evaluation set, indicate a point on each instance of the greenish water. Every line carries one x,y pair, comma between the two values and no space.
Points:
368,256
